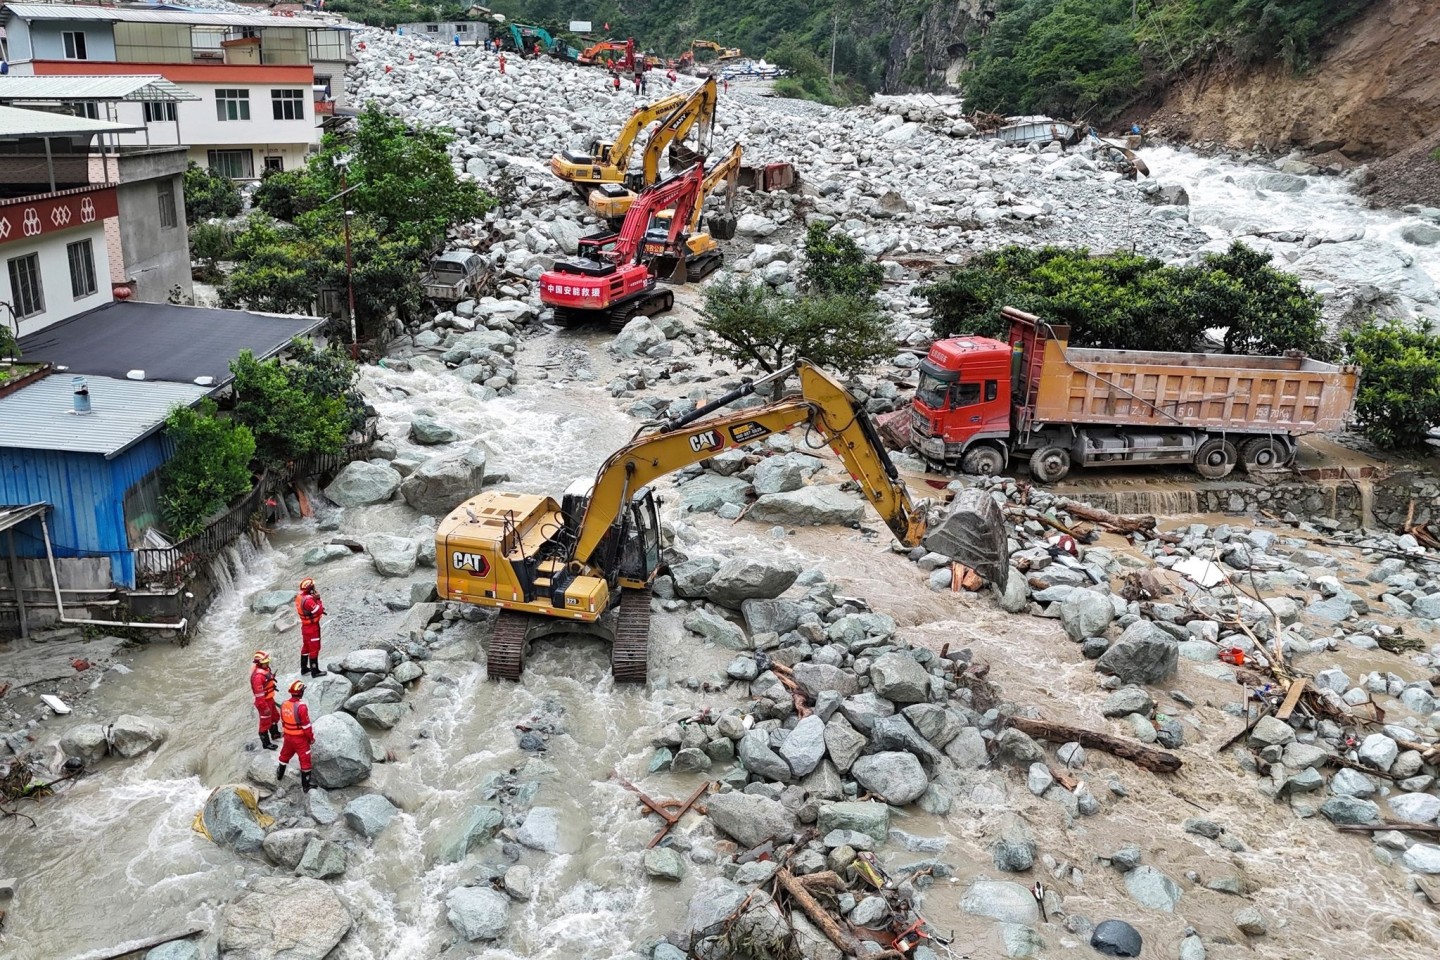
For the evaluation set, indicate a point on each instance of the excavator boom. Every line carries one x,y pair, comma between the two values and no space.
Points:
823,405
698,108
610,164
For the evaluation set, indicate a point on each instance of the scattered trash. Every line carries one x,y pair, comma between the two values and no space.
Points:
55,703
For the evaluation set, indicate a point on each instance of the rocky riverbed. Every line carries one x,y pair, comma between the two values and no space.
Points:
842,698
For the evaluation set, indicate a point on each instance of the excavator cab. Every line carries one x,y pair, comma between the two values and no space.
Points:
634,541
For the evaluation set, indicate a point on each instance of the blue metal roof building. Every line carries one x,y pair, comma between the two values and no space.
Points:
99,471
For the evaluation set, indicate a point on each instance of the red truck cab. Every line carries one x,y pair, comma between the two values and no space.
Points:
962,403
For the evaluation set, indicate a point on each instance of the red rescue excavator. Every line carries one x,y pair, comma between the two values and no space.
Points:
610,280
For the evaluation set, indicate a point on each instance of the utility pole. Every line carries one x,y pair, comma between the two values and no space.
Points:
343,162
834,31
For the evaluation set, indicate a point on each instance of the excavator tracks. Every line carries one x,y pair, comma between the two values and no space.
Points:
698,268
657,301
507,646
630,651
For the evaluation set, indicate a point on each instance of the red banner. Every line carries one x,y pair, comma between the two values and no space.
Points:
51,213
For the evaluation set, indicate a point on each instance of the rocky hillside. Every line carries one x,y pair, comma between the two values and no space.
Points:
1374,93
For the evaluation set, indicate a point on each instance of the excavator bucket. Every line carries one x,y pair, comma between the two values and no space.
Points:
973,531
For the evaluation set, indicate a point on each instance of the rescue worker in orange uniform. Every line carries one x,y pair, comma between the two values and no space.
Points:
310,608
262,685
295,722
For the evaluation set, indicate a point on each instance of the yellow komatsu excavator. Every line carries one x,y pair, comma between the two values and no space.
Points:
721,53
586,564
701,255
608,162
612,200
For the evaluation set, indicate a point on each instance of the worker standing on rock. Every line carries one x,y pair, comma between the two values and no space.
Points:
310,608
502,64
262,685
295,722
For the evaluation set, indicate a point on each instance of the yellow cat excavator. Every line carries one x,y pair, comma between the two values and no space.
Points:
612,200
586,564
609,162
701,255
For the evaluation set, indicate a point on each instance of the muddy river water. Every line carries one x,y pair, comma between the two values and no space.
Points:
115,858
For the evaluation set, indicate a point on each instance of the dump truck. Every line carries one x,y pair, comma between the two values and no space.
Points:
982,403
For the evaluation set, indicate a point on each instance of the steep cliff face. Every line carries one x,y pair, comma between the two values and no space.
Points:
929,42
1375,92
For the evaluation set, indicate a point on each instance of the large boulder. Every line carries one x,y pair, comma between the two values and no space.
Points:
177,950
544,830
327,693
843,742
717,630
638,336
815,678
750,819
428,432
361,482
442,483
778,475
898,777
1086,613
807,506
131,736
1151,888
899,679
322,859
713,902
341,751
86,742
804,746
284,848
862,816
1001,900
261,925
393,556
757,757
691,576
1143,654
566,233
230,818
478,827
478,913
368,815
746,578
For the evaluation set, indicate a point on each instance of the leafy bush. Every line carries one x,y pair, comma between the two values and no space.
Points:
295,409
211,467
1399,396
750,324
8,346
208,195
834,264
1126,301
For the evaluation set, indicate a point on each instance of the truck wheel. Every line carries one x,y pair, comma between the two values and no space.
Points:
1049,464
1215,458
1263,453
982,461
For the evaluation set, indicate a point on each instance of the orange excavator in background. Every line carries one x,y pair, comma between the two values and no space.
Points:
700,255
589,55
612,200
610,279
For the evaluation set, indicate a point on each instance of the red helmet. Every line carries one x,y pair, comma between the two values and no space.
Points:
297,688
307,585
261,656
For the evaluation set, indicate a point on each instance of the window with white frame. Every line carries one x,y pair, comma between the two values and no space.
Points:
232,103
84,108
288,104
159,111
74,45
235,164
82,268
165,197
26,295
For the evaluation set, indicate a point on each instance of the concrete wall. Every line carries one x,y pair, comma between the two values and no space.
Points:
47,41
157,258
55,275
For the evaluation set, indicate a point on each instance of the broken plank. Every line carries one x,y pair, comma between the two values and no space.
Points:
1400,827
1292,697
1158,761
818,915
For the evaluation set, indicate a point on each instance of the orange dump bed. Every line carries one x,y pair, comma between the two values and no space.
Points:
1291,395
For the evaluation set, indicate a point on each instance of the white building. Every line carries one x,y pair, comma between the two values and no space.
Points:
264,84
53,258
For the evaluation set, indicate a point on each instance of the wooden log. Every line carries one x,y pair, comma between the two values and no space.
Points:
1377,827
1158,761
818,915
1113,522
141,946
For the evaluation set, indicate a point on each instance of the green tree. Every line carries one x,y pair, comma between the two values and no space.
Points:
328,373
210,467
287,419
1399,396
834,264
1121,300
750,324
404,195
8,346
208,195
